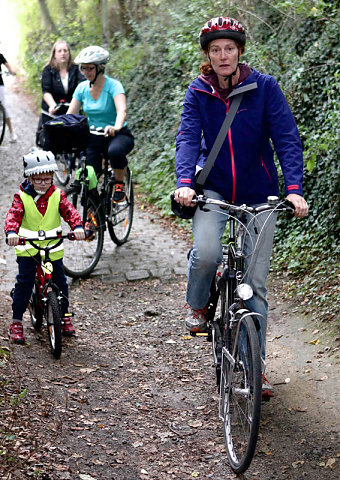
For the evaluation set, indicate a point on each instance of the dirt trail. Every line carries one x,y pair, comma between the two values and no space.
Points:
132,397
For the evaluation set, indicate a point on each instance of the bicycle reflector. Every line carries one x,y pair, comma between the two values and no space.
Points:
244,291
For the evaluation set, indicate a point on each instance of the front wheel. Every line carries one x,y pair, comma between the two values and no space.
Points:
53,317
36,311
120,221
2,122
63,173
80,258
240,396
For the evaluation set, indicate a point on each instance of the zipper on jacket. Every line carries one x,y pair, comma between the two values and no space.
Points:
232,160
266,169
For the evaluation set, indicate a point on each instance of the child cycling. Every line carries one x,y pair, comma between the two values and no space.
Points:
39,205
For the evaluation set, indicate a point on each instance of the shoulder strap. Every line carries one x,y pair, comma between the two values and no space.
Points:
238,94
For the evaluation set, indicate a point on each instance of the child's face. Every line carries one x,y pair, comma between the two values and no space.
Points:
42,181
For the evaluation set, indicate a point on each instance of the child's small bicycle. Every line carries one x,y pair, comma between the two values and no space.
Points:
46,300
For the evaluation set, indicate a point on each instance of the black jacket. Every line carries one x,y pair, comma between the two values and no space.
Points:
51,83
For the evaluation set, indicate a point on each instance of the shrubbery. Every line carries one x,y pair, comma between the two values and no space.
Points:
296,41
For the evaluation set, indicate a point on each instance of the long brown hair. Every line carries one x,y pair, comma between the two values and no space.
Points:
206,67
52,61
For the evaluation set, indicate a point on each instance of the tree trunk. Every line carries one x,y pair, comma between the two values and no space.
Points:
46,17
105,23
124,17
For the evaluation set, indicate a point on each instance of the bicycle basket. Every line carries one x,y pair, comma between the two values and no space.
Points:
65,133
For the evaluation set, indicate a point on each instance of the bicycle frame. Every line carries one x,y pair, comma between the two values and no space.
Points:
235,337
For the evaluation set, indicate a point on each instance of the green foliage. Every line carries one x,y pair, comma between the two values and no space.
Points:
297,41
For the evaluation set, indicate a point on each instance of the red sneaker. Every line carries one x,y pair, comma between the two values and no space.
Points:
68,328
16,333
267,389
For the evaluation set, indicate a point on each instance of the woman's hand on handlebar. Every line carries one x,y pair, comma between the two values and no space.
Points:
51,109
300,204
184,196
79,233
110,131
12,239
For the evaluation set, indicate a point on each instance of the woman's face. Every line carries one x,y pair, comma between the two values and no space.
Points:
224,55
62,53
89,70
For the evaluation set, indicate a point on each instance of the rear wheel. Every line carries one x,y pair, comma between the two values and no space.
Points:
2,122
53,317
240,397
120,221
80,258
36,311
63,172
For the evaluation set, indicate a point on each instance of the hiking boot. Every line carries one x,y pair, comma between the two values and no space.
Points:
16,333
267,389
68,328
196,320
119,194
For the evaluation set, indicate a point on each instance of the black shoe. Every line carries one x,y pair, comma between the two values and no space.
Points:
119,193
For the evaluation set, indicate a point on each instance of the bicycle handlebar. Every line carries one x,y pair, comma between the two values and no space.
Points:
96,131
273,204
42,236
57,108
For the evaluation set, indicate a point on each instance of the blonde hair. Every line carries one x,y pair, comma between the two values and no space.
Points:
52,62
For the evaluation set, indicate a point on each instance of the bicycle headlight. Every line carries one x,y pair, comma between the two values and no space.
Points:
244,291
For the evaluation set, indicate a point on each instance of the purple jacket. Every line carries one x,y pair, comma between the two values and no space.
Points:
244,170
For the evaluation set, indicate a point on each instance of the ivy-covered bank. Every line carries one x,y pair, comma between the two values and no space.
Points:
297,41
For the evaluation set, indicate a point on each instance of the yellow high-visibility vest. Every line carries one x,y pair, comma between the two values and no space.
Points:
33,221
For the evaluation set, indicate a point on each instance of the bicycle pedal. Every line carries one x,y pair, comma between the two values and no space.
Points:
202,334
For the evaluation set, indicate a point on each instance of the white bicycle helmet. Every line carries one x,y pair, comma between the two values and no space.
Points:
39,161
93,54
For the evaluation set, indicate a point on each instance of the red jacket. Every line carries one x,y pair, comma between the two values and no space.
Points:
16,212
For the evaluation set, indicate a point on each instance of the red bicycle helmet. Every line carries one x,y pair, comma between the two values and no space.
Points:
222,27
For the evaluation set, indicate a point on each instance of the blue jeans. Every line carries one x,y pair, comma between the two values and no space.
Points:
25,282
206,255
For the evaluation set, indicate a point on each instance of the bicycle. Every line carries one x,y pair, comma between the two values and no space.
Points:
97,211
45,305
234,332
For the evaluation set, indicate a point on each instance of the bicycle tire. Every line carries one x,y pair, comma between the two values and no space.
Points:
54,329
63,173
2,122
80,259
36,311
240,397
217,312
119,223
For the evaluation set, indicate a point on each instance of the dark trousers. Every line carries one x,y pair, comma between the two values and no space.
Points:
25,282
115,148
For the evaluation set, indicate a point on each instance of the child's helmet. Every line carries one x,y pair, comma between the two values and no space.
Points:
39,161
93,54
222,27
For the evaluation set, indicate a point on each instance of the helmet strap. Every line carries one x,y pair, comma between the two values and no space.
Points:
98,71
230,78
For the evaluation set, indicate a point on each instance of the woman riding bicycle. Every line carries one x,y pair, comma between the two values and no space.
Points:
244,170
58,81
103,101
